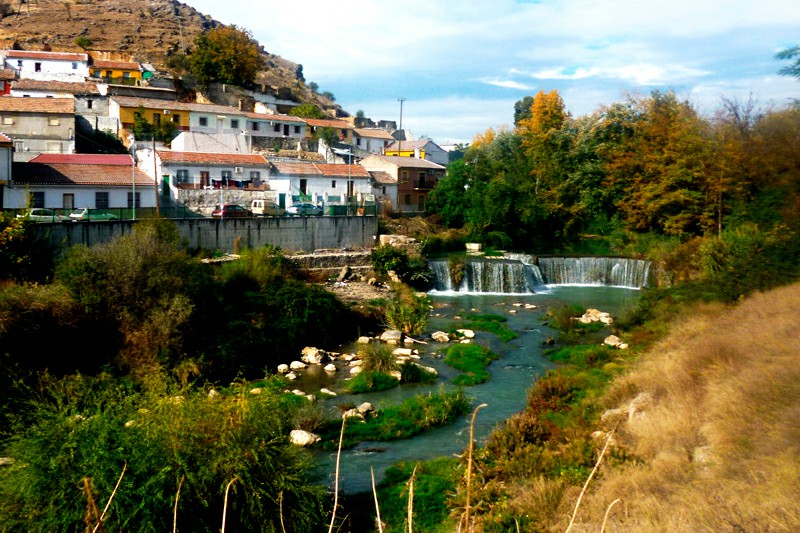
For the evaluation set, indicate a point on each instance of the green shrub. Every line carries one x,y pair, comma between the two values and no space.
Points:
377,357
408,311
386,257
371,381
411,372
456,265
492,323
472,360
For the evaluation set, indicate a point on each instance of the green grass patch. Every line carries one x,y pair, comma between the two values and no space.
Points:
415,415
491,323
371,381
472,360
414,373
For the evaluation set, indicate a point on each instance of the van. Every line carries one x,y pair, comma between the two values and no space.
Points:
265,208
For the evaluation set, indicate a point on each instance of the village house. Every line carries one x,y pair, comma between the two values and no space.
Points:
70,181
272,126
415,179
372,140
38,125
421,149
116,72
384,188
56,66
322,184
7,76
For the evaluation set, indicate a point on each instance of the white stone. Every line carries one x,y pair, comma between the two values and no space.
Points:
391,335
512,311
355,370
623,346
130,423
213,393
299,437
530,306
440,336
364,340
353,413
291,376
255,390
356,362
297,365
408,340
467,333
313,356
298,392
396,374
330,367
283,368
612,340
347,357
466,341
365,408
327,392
402,352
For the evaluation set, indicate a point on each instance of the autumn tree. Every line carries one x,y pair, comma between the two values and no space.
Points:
226,55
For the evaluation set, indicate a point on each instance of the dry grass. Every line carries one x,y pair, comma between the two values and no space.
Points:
719,442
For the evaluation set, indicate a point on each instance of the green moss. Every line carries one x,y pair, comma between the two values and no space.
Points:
489,323
369,381
472,360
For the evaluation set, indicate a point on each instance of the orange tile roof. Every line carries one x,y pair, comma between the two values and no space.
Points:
305,169
65,174
55,56
204,158
84,159
321,123
119,65
355,171
407,162
37,105
73,87
5,138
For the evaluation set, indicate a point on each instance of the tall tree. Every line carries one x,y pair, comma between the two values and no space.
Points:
791,53
522,109
226,55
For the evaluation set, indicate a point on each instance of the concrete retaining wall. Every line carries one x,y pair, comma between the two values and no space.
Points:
302,234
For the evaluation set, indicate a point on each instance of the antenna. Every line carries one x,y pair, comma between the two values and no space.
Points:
403,134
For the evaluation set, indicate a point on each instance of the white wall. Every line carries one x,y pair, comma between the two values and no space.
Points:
51,70
16,197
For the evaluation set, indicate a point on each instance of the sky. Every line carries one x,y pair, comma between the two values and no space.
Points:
461,65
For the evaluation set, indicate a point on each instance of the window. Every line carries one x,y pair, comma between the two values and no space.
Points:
277,128
176,118
53,121
255,175
126,75
74,65
297,129
37,199
333,184
421,203
7,121
407,199
68,201
19,63
37,67
358,141
303,185
101,200
89,104
182,175
203,121
130,200
227,176
235,123
404,176
254,126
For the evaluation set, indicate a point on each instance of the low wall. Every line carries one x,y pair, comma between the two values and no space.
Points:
301,234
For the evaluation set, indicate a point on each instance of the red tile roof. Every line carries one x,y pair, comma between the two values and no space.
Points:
84,159
118,65
402,162
63,174
320,123
408,145
274,118
73,87
154,103
374,133
355,171
5,138
37,105
55,56
304,169
203,158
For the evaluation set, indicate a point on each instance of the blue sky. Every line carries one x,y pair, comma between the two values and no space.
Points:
461,65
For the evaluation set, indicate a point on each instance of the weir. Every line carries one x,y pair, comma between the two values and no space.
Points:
522,273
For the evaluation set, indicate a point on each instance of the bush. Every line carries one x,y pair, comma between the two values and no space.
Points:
377,357
413,373
471,359
371,381
387,257
408,311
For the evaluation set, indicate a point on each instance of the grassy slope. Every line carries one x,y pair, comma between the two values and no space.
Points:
717,445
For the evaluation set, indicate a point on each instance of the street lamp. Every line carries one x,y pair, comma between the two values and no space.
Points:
132,140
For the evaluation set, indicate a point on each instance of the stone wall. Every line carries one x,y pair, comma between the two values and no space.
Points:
301,234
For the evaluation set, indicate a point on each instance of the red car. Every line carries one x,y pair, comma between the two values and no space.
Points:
230,211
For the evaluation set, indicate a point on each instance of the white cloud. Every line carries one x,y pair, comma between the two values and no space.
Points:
508,84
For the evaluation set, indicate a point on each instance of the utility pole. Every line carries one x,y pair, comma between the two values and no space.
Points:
403,133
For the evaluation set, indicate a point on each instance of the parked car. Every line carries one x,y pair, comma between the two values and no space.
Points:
84,213
264,208
38,214
230,211
304,210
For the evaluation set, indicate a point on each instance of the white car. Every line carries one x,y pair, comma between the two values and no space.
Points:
84,213
38,214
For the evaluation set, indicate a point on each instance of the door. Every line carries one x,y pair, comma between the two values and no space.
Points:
421,203
165,185
286,130
282,200
204,178
68,202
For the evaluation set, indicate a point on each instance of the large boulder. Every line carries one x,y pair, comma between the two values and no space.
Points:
300,437
365,408
313,356
297,365
364,340
402,352
440,336
344,273
283,368
330,367
392,336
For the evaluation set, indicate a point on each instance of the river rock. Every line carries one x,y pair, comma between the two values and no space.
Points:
313,356
291,376
467,333
623,346
365,408
440,336
595,315
355,370
353,413
612,340
402,352
466,341
255,390
213,393
299,437
347,357
344,273
396,374
356,362
330,367
392,335
298,392
6,461
297,365
283,368
364,340
327,392
428,369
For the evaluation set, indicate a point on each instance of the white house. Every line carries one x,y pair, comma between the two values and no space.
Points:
274,126
201,170
373,140
69,181
320,183
421,149
57,66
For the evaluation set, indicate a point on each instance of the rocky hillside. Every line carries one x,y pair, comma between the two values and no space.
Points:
147,30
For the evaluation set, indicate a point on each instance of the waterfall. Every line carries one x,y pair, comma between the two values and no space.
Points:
521,273
488,276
